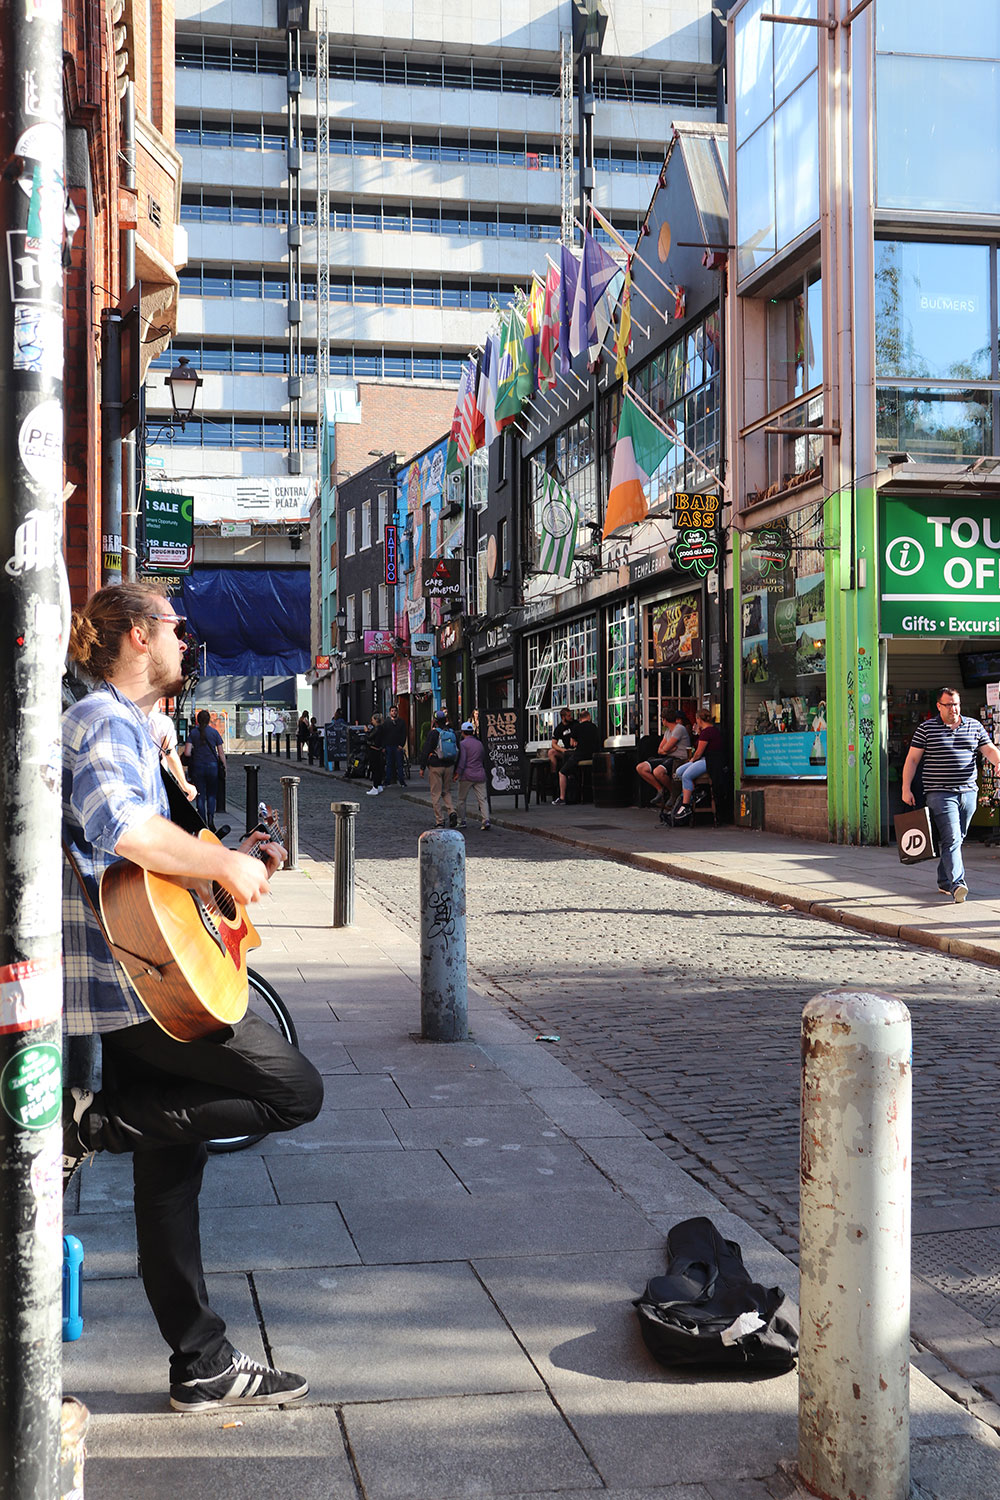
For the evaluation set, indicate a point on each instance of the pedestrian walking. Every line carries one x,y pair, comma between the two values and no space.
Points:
946,749
470,774
301,734
206,758
395,748
375,745
438,755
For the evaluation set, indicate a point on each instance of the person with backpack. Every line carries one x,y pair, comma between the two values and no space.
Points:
470,773
204,746
438,755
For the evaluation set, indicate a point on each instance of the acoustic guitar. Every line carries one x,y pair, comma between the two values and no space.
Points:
185,957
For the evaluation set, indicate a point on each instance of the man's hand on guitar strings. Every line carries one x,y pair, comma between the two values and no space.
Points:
265,846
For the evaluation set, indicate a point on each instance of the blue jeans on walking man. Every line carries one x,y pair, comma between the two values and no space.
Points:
952,814
393,764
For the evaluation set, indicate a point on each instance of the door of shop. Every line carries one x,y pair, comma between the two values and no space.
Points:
672,655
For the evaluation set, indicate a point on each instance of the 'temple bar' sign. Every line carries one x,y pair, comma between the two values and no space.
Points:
391,554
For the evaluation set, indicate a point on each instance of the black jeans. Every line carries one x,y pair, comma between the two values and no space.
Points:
161,1100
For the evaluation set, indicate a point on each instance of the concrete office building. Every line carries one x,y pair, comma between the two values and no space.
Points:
444,171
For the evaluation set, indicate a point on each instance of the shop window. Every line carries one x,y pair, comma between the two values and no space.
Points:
932,311
672,651
562,673
942,426
622,697
783,648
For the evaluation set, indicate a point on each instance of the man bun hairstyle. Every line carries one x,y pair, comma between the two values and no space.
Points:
98,629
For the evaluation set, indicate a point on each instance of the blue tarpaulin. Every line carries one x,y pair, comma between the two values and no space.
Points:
254,621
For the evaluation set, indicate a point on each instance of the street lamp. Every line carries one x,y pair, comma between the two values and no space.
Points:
183,382
341,618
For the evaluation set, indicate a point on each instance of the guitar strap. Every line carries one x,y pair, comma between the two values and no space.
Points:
124,956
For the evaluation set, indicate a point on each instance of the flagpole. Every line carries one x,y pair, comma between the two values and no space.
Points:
621,243
671,433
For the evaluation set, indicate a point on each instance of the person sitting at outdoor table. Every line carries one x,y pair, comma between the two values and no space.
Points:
672,750
561,740
585,740
706,756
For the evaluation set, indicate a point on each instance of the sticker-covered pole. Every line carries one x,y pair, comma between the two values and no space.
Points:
444,1005
854,1243
32,650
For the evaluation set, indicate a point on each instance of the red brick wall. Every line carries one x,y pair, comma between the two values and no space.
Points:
399,418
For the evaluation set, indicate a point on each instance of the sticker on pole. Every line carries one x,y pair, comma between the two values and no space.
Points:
31,1087
30,994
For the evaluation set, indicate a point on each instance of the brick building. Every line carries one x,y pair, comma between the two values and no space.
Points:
108,47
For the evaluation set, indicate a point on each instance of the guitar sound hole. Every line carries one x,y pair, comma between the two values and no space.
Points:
224,901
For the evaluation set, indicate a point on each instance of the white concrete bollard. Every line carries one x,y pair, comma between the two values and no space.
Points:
854,1241
444,1005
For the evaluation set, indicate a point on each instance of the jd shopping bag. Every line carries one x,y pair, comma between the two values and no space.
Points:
915,836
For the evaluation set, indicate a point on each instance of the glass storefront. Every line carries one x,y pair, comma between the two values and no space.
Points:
783,647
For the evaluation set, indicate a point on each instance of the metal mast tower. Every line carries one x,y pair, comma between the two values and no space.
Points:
322,215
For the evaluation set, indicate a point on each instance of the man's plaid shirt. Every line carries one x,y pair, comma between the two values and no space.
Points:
111,783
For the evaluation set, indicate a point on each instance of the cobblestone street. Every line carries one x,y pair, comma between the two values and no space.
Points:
682,1003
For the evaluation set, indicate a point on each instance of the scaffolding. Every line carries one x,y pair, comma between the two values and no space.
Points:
568,231
322,214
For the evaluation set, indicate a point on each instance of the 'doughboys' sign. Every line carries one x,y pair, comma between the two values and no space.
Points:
939,567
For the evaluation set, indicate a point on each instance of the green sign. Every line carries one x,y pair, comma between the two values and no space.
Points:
31,1087
939,567
696,551
168,526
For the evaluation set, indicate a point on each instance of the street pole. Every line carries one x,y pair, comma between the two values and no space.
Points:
444,1003
32,649
854,1241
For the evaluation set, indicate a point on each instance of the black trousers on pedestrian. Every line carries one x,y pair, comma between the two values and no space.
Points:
162,1100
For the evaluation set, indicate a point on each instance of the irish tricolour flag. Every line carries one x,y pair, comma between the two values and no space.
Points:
639,451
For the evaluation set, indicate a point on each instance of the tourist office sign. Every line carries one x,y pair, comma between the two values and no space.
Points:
939,567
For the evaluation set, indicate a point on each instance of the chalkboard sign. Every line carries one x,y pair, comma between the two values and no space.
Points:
503,749
336,740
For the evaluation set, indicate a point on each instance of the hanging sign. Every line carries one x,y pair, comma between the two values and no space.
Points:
442,578
765,558
701,508
378,643
696,552
422,645
391,554
322,664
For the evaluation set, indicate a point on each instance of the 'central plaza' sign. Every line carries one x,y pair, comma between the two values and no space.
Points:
939,567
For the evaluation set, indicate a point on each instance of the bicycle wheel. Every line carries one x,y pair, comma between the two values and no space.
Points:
266,1003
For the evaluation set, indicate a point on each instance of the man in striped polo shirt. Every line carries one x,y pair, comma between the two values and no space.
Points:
945,748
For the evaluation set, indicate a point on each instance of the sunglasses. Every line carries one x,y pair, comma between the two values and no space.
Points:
179,622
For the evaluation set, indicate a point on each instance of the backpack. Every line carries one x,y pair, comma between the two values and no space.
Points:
447,747
706,1310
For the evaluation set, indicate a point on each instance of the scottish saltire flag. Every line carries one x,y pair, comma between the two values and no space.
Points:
639,451
597,269
569,274
560,518
548,340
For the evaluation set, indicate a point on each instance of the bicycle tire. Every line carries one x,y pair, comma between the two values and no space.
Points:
268,1004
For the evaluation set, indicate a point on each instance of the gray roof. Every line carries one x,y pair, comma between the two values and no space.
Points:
704,150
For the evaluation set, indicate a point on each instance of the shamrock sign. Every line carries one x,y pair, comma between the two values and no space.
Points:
696,551
769,550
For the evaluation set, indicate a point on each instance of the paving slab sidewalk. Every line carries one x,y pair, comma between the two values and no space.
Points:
449,1253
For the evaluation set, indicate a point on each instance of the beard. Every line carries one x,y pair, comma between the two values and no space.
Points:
166,678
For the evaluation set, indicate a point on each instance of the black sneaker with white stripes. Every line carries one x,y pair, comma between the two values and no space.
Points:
242,1383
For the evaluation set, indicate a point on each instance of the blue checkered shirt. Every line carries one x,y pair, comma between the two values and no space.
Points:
111,784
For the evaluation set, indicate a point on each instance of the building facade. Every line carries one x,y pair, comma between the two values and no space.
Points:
864,397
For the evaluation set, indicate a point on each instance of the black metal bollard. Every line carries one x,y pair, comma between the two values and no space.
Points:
253,796
269,742
343,862
290,808
288,747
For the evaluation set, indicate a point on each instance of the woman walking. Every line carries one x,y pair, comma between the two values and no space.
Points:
204,748
470,774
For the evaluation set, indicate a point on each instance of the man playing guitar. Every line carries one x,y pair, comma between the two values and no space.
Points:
161,1099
